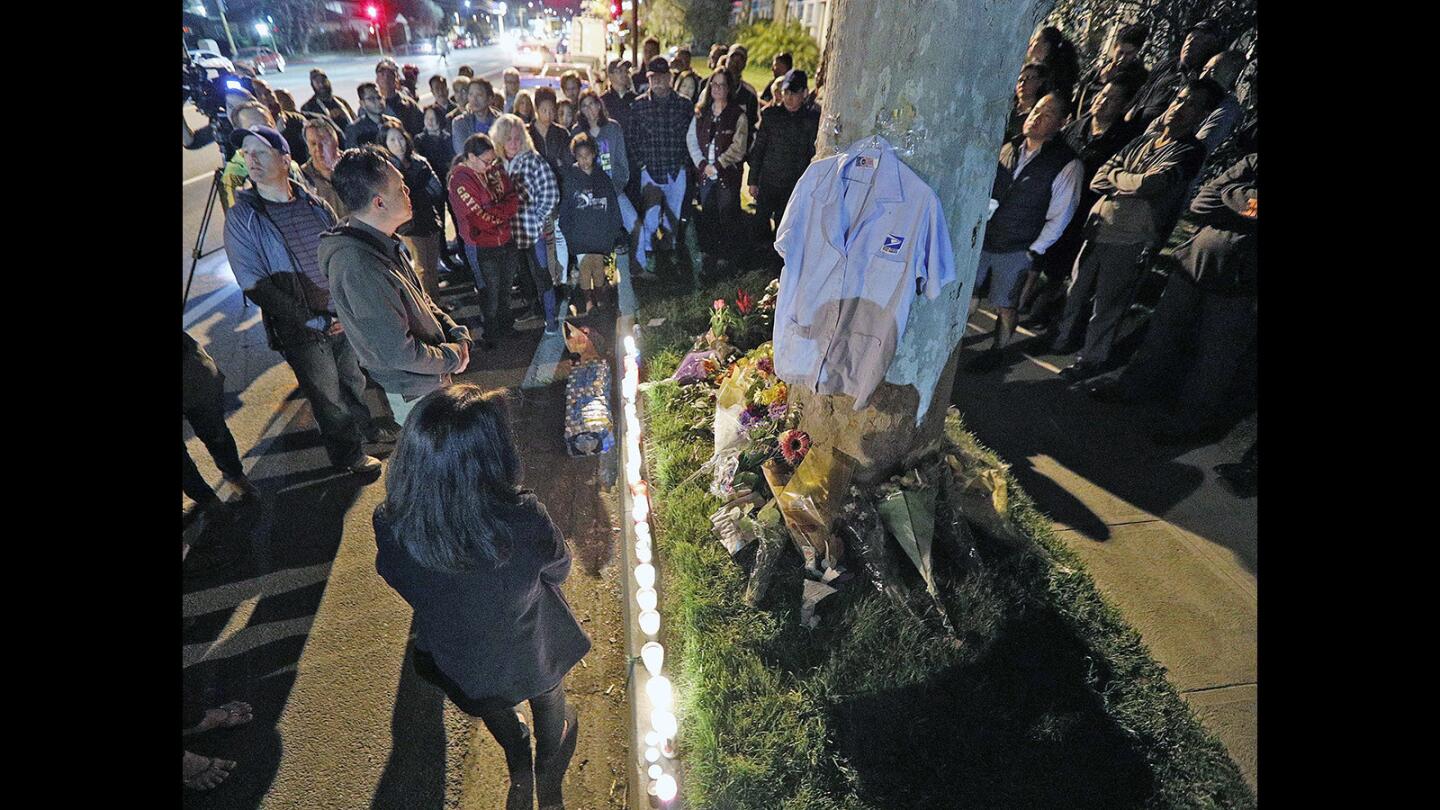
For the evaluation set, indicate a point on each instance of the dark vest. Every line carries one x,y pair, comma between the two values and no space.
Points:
1023,199
723,130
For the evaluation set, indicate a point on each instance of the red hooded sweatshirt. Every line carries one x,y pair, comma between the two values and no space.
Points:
483,205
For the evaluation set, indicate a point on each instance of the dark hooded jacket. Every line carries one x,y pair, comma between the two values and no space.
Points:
589,210
404,339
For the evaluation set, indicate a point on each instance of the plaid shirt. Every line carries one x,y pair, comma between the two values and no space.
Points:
539,196
657,132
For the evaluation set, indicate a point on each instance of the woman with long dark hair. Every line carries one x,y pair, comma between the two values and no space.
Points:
717,140
481,563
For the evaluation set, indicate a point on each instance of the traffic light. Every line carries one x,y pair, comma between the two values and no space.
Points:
372,11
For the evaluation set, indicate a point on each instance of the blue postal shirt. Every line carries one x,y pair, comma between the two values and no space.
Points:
861,235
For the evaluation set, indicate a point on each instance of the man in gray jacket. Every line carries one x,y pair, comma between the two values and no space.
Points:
272,236
403,338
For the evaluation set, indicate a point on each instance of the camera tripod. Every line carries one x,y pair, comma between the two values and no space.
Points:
199,250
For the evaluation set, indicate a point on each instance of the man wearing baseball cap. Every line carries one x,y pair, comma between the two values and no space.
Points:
272,238
658,123
618,98
784,145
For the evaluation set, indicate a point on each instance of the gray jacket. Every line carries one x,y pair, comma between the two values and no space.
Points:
267,273
407,343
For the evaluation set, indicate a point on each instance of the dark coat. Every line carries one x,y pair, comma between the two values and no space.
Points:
589,211
438,150
784,145
1221,257
427,198
496,632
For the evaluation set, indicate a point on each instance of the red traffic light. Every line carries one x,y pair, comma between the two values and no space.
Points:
372,11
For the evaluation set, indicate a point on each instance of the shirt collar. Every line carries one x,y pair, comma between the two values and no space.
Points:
887,172
355,223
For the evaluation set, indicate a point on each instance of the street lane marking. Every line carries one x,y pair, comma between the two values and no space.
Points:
230,594
546,361
209,302
197,178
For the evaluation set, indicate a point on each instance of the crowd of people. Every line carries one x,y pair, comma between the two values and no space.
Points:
1095,172
336,221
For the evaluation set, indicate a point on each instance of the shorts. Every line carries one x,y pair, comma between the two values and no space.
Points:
592,272
1006,272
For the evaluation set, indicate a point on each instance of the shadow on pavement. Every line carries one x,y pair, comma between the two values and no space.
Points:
1029,413
279,553
414,776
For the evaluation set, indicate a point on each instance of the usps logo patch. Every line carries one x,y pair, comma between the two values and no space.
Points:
892,244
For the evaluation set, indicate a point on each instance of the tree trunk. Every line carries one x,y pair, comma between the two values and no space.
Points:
936,78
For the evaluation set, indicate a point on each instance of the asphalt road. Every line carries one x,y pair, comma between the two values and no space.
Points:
283,605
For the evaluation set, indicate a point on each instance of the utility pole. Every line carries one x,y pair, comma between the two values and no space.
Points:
635,35
220,4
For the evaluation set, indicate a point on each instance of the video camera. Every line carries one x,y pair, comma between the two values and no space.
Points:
206,87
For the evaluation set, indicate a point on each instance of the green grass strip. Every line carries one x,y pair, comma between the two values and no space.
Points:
1049,699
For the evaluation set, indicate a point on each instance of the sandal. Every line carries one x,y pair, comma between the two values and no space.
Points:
232,714
214,772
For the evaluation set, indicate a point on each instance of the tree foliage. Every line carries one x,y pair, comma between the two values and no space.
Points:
765,38
697,23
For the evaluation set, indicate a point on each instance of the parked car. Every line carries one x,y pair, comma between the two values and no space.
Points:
531,55
549,76
261,60
211,61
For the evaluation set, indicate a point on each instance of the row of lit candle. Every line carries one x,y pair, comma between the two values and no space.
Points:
660,738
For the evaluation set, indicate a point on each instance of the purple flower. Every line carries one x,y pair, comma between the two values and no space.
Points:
752,414
766,365
778,410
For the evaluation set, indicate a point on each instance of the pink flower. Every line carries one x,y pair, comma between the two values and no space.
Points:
794,444
719,304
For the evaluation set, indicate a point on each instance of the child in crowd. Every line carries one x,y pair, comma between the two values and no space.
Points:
590,218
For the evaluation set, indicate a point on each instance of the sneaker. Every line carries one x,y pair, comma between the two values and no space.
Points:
1079,370
365,465
245,486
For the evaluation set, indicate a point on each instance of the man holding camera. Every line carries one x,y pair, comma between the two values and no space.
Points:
272,236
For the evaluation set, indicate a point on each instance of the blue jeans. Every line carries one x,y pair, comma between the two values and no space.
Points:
674,193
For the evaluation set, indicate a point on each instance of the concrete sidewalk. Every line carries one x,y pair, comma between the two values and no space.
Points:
1168,546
